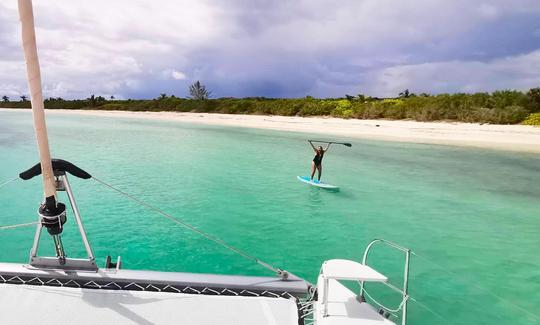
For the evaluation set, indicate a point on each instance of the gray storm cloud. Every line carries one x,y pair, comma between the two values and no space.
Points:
138,49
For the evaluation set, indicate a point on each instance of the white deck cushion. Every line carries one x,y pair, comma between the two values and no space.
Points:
349,270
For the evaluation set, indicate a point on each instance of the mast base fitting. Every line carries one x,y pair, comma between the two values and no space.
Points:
52,215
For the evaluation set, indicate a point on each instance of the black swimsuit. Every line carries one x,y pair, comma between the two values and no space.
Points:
318,159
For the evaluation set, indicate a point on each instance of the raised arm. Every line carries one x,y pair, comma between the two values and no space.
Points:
328,146
312,146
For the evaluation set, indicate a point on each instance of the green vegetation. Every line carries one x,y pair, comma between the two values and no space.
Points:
499,107
533,119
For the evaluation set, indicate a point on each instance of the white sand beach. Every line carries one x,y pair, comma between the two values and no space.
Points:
519,138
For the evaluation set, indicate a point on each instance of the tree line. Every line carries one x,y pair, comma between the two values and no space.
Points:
498,107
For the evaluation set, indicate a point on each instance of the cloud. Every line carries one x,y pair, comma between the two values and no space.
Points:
138,49
517,72
488,11
177,75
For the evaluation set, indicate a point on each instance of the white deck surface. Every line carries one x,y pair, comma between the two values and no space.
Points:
24,304
344,308
349,270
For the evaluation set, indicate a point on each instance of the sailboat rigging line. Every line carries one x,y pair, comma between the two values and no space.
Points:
429,309
282,273
401,306
8,182
383,306
487,291
18,225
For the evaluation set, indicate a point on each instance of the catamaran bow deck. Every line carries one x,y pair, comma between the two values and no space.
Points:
22,304
46,296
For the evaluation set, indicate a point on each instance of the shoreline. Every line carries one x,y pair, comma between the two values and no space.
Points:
518,138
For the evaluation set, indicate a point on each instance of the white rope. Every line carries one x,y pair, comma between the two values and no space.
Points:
5,183
457,277
18,225
8,182
429,309
187,225
383,306
402,303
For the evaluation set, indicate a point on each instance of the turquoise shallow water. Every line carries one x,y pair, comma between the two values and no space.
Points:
471,215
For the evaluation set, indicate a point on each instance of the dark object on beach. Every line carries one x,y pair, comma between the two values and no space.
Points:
377,125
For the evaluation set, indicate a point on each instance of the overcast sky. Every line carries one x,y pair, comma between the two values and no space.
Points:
286,48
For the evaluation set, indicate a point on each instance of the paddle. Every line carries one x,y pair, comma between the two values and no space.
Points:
343,143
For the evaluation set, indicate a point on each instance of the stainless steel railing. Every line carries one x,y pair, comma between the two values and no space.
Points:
403,291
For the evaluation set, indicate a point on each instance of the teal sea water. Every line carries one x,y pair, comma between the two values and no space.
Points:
471,215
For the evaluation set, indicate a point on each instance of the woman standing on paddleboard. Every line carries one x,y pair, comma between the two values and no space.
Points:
317,160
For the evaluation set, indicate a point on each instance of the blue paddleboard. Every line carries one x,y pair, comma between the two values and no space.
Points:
306,179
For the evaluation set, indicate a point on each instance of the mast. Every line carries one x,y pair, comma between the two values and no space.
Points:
38,112
52,213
